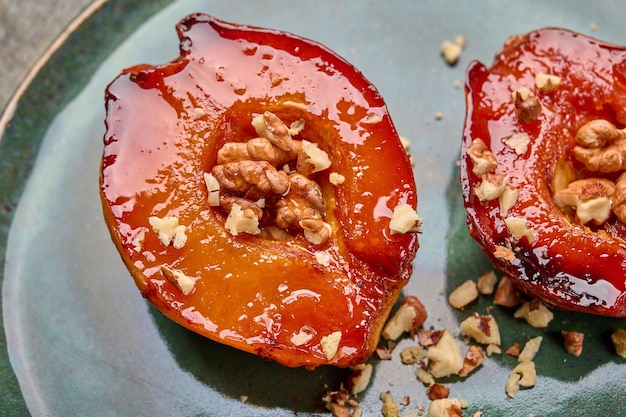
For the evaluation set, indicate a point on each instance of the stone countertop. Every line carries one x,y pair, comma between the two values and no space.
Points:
27,29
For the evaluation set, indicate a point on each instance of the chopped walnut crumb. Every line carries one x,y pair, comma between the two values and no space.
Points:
535,313
389,407
474,357
451,52
410,315
182,282
523,375
169,231
522,93
507,200
338,410
242,221
360,378
424,376
483,159
339,404
304,336
336,178
530,349
330,344
507,295
547,83
492,349
199,113
482,328
486,282
296,127
404,220
406,143
491,187
316,157
213,189
513,350
504,253
437,391
428,338
519,142
446,407
573,342
412,354
463,295
619,341
445,357
385,353
529,110
564,173
528,107
519,228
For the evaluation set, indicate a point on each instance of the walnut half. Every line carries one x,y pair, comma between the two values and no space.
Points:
263,168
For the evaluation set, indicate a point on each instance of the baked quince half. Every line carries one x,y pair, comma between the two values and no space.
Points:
259,194
543,166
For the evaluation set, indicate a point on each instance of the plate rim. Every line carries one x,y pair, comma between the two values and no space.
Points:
9,110
14,403
5,121
12,388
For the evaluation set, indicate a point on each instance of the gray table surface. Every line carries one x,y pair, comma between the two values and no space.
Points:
27,29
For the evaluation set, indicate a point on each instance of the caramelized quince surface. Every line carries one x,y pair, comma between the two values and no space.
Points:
557,255
283,298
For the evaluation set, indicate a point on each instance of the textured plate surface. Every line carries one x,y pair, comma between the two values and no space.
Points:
82,341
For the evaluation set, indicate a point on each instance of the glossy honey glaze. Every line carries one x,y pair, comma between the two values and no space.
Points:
569,266
164,126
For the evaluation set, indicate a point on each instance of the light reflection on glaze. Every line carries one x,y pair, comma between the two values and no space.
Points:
381,209
589,293
194,316
298,294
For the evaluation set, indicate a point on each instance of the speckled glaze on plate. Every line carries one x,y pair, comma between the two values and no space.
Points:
81,340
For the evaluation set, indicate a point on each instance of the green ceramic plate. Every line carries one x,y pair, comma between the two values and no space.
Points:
82,342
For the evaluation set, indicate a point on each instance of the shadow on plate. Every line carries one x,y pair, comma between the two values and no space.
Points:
466,260
234,373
